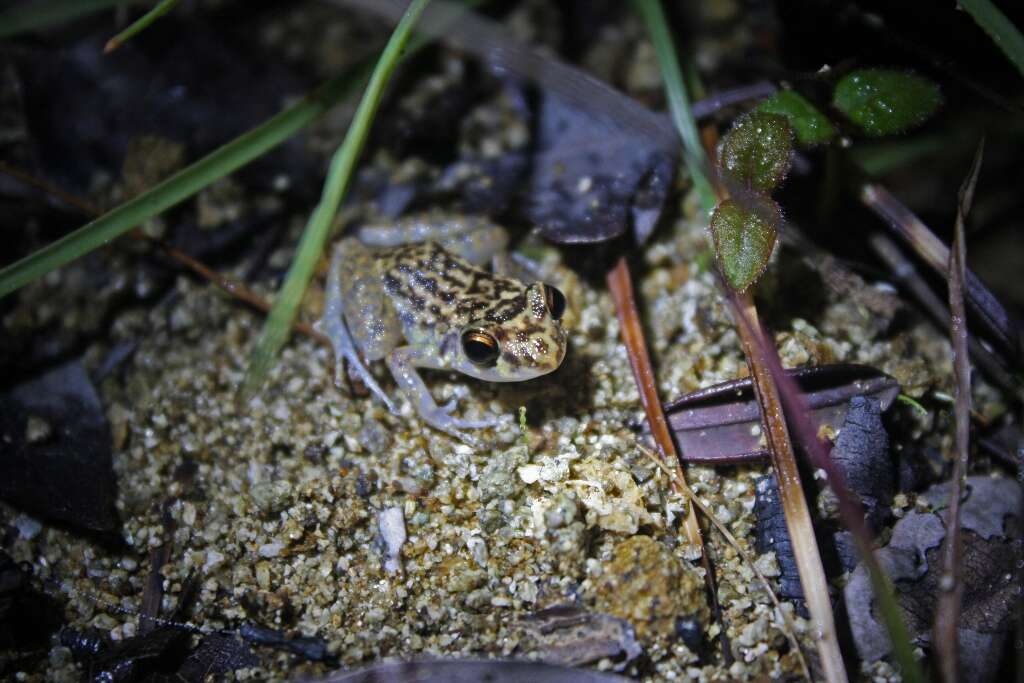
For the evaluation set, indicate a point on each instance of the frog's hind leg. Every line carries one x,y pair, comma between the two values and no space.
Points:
475,239
332,323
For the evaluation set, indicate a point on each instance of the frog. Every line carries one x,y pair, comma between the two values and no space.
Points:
416,294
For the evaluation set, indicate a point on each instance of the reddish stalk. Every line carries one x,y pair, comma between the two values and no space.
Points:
850,509
620,285
791,493
794,503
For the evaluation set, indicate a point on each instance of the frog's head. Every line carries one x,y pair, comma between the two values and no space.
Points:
519,339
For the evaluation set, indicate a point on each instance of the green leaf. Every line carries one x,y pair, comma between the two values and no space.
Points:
744,233
757,153
999,28
810,125
885,102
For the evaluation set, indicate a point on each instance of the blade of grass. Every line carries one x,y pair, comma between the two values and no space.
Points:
191,179
33,14
1000,29
279,323
947,613
140,25
229,285
678,100
180,186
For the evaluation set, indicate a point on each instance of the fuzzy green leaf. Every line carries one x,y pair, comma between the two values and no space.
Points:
810,125
744,233
757,153
884,102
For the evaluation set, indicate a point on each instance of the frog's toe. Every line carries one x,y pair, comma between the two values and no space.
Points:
484,423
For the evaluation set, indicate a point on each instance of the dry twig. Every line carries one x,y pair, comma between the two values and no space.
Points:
947,612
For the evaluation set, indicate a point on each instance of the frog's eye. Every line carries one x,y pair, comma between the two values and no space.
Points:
555,301
480,348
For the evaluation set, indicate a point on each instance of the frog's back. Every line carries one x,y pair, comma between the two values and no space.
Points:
435,291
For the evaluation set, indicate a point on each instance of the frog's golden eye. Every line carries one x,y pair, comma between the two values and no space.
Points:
555,301
480,348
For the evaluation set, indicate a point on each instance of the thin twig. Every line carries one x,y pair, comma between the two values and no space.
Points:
621,287
790,627
227,284
904,273
991,313
947,613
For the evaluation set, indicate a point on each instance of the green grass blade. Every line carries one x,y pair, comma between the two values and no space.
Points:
1000,29
180,186
140,24
279,323
34,14
678,100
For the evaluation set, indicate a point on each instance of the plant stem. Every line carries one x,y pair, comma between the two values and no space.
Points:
798,516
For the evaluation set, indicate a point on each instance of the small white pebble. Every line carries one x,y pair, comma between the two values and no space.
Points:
28,528
271,549
392,530
213,559
529,473
188,514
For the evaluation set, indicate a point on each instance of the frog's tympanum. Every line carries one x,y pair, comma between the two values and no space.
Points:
415,295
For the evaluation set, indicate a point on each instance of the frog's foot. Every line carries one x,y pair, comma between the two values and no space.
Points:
448,408
440,417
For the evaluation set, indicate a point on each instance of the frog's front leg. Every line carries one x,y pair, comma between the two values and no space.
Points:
403,363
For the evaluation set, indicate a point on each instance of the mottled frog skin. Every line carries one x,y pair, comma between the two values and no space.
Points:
414,295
